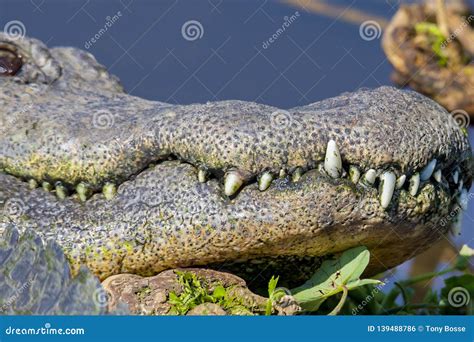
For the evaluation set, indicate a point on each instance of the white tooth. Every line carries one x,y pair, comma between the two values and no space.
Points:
354,174
456,176
297,174
233,182
401,181
333,161
463,199
387,184
202,176
370,176
414,184
265,181
427,171
282,173
437,176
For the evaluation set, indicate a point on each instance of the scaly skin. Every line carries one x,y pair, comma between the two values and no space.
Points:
53,130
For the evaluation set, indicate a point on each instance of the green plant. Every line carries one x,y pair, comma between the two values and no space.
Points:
437,40
333,277
195,292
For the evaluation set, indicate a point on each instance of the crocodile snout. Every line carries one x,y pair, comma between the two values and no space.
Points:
130,185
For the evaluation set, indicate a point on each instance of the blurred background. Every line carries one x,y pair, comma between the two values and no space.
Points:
281,53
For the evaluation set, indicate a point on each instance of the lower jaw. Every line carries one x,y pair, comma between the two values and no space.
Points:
407,227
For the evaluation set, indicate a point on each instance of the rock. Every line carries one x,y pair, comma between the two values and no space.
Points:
150,295
207,309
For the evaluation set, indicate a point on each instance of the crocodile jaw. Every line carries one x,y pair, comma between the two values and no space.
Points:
305,188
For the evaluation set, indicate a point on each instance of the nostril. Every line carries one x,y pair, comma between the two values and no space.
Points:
10,62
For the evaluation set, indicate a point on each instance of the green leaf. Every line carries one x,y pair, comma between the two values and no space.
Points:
219,292
272,284
331,278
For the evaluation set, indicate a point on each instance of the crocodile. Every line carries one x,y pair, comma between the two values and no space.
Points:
127,185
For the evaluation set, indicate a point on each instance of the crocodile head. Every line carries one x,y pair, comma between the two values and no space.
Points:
123,184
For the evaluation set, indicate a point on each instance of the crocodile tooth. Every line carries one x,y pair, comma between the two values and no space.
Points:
202,176
437,176
463,199
61,190
456,176
46,186
232,183
369,177
400,182
265,180
32,184
414,184
84,191
427,171
333,161
109,190
282,173
354,174
387,185
297,174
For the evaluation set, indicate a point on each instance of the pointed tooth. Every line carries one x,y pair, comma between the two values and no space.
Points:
414,184
437,176
32,184
46,186
463,199
456,176
370,176
354,174
333,161
427,171
387,187
61,190
265,180
202,175
400,182
84,191
232,183
109,190
295,177
282,173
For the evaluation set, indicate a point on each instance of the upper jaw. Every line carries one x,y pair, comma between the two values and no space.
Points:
353,135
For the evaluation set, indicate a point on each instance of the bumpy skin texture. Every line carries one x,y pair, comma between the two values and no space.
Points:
162,217
35,279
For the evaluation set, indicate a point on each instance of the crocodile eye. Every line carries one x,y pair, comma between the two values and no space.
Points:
10,62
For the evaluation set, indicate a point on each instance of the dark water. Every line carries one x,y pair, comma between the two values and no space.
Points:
314,58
